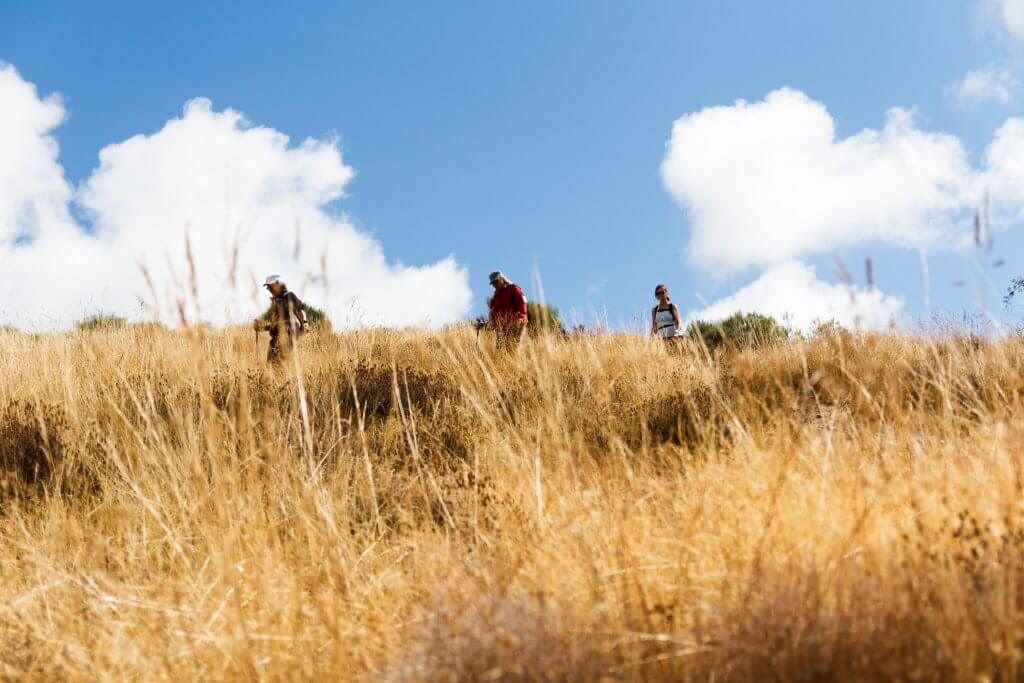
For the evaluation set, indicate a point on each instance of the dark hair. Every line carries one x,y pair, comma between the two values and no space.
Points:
660,288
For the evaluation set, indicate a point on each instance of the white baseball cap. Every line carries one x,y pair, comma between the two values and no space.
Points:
272,280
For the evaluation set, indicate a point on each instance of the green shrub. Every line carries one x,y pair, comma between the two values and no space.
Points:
740,330
317,319
544,319
100,321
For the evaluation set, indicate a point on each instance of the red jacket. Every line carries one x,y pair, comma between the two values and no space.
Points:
508,306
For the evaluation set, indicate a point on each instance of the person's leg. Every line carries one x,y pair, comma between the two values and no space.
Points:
287,347
506,338
514,335
273,351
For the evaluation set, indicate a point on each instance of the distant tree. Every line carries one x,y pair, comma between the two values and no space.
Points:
1015,288
544,319
740,330
318,320
100,321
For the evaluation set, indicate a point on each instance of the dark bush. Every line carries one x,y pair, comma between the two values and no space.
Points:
100,321
31,447
686,418
318,320
740,330
421,392
544,319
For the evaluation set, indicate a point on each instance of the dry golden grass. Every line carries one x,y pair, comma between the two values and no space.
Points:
419,508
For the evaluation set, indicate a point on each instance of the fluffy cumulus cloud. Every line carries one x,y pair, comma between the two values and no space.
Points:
765,183
1012,14
791,291
33,195
1004,171
190,218
988,84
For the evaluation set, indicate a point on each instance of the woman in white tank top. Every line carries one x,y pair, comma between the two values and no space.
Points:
665,322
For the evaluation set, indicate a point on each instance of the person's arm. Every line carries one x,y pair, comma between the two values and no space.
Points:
522,309
675,316
299,308
501,305
654,321
262,325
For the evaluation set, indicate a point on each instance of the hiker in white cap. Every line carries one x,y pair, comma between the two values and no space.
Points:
286,315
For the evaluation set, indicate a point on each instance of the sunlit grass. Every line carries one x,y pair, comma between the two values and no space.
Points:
847,507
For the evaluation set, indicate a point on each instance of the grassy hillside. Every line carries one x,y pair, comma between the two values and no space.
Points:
417,507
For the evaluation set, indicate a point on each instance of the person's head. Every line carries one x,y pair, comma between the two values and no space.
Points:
275,284
498,280
661,293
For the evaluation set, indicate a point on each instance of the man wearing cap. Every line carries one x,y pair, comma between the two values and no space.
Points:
287,315
507,309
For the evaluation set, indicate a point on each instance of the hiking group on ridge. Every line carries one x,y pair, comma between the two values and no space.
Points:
507,315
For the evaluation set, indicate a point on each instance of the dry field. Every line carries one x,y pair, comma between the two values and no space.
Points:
415,507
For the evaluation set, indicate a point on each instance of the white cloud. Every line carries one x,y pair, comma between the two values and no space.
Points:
230,183
767,181
791,291
1012,14
988,84
1004,171
33,194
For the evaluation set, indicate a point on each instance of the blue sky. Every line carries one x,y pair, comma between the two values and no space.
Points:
514,134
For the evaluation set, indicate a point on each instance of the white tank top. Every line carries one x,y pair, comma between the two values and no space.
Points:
665,323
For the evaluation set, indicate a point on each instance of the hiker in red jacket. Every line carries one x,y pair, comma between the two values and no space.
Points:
507,310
